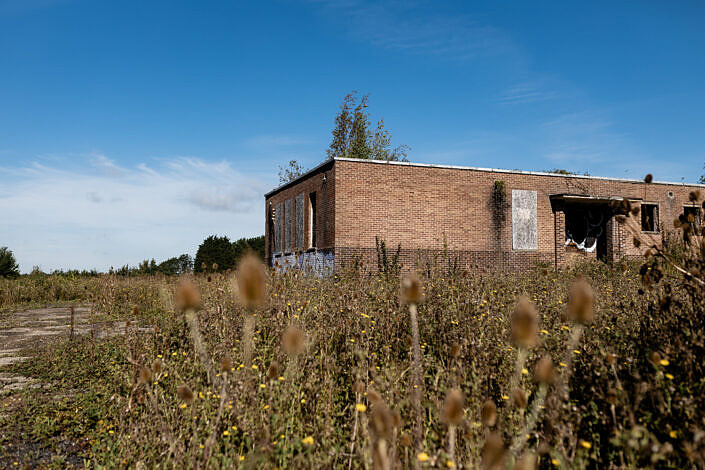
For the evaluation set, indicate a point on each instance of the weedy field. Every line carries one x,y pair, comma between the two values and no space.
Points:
598,366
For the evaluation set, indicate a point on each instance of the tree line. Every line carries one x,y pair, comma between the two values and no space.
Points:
214,254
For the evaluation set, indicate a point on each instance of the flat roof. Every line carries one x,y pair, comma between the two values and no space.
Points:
472,168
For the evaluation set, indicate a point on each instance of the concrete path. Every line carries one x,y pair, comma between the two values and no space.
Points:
21,332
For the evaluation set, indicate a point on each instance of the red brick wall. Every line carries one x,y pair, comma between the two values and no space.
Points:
421,207
325,209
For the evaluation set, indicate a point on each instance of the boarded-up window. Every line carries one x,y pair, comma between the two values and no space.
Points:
288,220
524,220
300,221
278,228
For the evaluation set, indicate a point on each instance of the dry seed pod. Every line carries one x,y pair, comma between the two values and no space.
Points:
226,364
488,414
519,398
612,396
648,178
251,280
526,462
185,393
381,421
273,370
157,366
145,375
544,372
187,296
636,242
411,292
359,387
525,323
373,396
493,452
293,341
455,350
135,311
580,302
453,407
611,358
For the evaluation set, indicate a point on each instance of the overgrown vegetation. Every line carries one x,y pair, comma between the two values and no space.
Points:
597,366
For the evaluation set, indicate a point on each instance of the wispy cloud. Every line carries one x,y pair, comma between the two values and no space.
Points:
527,93
276,140
87,217
409,27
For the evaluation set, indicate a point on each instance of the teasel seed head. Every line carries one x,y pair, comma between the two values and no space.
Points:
373,396
526,462
453,407
156,366
381,421
185,393
525,323
580,302
293,341
411,290
226,364
251,280
612,396
145,375
488,414
493,452
187,296
273,370
544,372
648,178
359,387
519,398
455,350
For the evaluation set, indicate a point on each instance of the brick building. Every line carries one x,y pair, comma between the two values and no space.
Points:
483,217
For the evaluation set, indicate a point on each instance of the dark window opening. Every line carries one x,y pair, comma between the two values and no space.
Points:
649,218
585,229
312,220
692,215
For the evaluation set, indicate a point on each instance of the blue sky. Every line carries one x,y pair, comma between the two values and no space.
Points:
132,130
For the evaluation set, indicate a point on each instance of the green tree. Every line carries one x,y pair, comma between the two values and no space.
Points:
8,264
245,245
353,138
175,266
701,180
291,172
215,254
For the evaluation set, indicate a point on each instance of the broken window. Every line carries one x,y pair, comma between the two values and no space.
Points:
584,226
692,215
649,218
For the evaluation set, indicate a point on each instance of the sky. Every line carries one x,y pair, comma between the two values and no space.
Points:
133,130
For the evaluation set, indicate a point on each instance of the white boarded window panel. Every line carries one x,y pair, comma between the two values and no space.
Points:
288,219
300,221
278,228
524,220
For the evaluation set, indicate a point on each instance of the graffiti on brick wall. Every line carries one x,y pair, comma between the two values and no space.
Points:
317,262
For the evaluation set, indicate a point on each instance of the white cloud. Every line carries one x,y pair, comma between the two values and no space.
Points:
100,214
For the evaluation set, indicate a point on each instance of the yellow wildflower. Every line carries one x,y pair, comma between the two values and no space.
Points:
361,407
423,456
